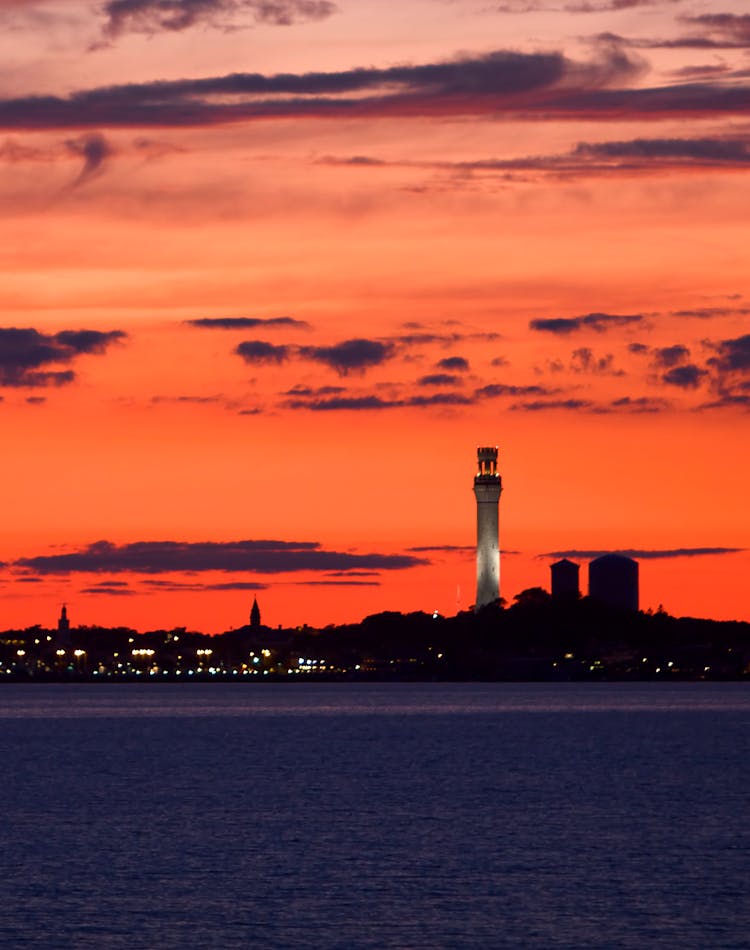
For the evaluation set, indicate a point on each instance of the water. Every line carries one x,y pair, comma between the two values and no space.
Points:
375,816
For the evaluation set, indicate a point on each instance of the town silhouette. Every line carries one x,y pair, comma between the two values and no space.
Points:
541,635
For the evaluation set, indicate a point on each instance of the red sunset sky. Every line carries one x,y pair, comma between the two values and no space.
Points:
272,270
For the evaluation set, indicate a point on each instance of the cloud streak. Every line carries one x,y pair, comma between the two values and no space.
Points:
171,16
25,354
247,323
645,554
157,557
503,83
598,322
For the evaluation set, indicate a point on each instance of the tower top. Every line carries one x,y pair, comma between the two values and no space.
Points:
63,623
487,463
255,613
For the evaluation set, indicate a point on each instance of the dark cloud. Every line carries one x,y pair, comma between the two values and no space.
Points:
94,149
444,549
524,85
343,403
730,372
493,390
109,590
728,401
543,405
155,16
157,557
709,31
172,586
639,404
583,360
301,392
236,585
317,401
259,351
332,583
445,339
350,355
374,402
24,350
354,573
34,400
454,364
688,376
702,71
439,379
714,150
733,356
639,348
644,553
728,30
666,357
610,6
625,157
246,323
440,399
599,322
710,313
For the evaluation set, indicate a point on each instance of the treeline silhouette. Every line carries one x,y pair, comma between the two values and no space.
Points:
535,638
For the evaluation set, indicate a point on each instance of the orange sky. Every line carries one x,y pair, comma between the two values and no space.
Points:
409,228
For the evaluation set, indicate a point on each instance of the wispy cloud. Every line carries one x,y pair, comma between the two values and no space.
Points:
157,557
94,149
523,85
158,16
247,323
644,553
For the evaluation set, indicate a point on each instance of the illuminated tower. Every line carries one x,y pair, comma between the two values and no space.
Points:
487,488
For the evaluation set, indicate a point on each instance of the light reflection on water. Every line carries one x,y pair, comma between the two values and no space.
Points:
395,816
333,699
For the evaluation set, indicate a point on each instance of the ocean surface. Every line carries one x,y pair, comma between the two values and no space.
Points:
375,816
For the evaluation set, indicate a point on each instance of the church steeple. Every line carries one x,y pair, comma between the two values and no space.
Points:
63,624
255,614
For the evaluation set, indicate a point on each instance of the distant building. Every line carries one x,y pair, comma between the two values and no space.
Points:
63,628
487,488
564,577
255,613
613,580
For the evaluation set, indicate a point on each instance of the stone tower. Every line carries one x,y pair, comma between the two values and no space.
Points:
487,488
63,624
255,613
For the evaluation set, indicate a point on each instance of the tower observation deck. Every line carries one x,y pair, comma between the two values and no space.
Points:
487,488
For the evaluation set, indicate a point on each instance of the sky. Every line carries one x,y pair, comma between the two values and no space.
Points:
272,270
